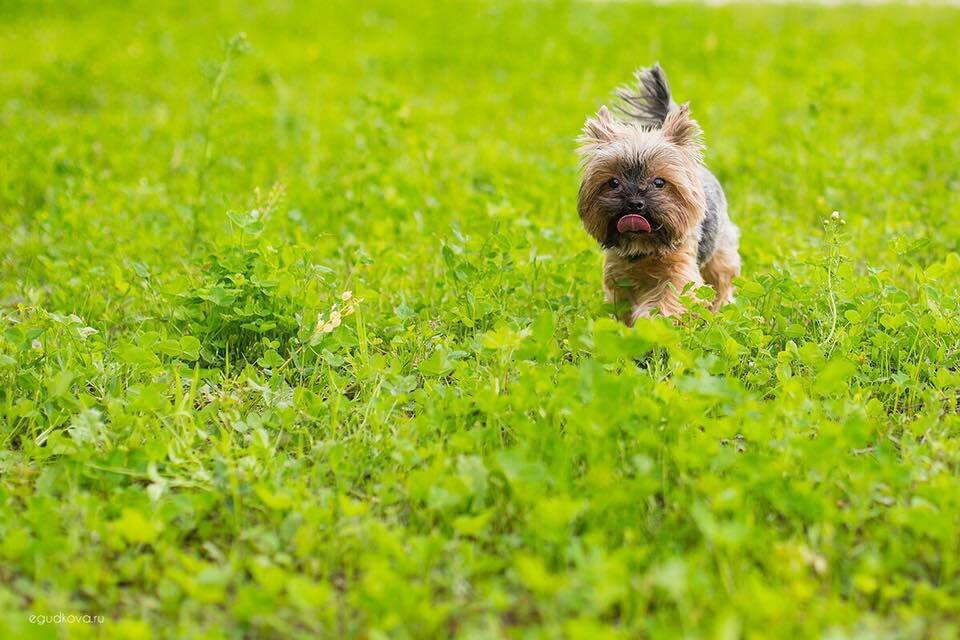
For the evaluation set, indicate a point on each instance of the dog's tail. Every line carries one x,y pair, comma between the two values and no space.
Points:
649,101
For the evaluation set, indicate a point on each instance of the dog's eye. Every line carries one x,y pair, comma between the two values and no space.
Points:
659,183
614,183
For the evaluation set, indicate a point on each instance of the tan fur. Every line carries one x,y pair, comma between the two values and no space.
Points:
720,270
621,160
649,283
667,154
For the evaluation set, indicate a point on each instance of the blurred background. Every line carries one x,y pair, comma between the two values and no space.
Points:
394,122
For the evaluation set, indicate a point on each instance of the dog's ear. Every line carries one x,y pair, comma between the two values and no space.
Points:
598,129
682,130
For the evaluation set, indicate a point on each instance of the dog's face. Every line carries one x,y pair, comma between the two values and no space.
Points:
641,192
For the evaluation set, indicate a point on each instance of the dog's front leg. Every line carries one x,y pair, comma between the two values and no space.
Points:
664,295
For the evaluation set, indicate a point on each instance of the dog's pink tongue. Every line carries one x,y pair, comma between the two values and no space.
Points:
633,222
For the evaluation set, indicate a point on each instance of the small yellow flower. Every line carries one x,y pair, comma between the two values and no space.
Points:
346,295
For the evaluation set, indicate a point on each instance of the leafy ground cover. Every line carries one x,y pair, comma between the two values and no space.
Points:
301,336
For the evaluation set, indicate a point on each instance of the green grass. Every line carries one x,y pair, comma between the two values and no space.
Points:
190,448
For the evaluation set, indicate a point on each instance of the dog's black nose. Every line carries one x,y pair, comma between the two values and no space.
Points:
635,205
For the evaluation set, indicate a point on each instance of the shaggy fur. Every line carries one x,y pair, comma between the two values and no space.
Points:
652,165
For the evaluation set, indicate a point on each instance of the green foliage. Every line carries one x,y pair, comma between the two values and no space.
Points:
248,298
388,400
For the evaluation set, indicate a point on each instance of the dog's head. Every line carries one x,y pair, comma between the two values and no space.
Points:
641,192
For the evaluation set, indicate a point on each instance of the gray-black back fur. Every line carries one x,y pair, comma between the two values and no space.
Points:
716,211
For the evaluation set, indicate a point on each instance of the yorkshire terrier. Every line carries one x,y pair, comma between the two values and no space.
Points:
653,206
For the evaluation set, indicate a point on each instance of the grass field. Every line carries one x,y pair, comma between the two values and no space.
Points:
302,336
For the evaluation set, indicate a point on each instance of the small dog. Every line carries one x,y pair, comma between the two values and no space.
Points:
647,198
